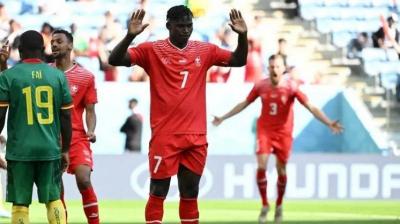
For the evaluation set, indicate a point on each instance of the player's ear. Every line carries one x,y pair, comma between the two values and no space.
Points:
70,46
168,25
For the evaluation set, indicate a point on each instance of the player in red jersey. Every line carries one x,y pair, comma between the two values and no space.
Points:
275,126
177,69
83,91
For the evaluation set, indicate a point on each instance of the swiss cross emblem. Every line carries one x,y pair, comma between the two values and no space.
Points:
74,89
197,61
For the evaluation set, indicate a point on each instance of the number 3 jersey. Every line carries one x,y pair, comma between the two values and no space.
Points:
178,83
35,94
277,104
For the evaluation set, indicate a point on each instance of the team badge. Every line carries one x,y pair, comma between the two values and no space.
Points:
197,61
74,89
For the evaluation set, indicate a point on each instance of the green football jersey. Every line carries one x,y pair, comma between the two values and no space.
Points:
35,94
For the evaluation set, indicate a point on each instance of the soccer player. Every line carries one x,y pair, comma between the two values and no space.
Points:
39,101
82,86
177,69
275,126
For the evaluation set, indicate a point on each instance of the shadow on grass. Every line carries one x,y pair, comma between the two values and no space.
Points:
285,222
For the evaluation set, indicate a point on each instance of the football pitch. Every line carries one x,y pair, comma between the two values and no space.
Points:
238,212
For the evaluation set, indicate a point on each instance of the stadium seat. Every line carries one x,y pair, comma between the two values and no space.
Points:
373,54
389,79
342,39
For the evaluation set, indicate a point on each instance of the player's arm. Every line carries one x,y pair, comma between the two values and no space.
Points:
66,135
239,56
335,126
235,110
90,122
3,163
4,55
119,55
3,112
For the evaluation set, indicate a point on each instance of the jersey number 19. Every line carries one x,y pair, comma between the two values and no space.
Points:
47,104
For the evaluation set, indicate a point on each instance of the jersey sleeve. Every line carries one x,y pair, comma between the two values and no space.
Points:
4,91
252,95
219,56
138,54
65,94
300,96
91,93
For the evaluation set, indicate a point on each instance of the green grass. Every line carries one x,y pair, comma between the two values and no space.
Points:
239,212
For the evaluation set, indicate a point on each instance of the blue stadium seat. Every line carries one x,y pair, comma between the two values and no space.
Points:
360,3
374,54
382,3
389,79
337,3
342,39
305,3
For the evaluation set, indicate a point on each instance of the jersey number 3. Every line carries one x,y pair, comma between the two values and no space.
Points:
43,100
273,109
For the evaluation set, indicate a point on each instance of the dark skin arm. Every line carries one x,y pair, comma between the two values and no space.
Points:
239,56
4,55
66,135
3,112
90,122
119,55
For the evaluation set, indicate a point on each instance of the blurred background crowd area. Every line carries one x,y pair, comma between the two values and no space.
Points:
346,43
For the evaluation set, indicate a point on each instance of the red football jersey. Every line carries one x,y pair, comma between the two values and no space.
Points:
277,104
178,83
83,91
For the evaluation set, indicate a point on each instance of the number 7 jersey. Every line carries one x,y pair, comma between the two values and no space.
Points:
35,94
178,83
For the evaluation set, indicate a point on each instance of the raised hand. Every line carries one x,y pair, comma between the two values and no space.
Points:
4,53
237,22
217,121
136,25
336,127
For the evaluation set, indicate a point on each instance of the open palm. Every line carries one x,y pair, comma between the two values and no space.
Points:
136,25
237,22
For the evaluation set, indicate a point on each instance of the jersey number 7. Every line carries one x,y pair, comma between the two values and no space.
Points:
185,77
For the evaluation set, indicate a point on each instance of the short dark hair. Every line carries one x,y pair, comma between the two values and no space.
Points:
178,12
31,40
276,56
66,33
364,34
133,100
280,40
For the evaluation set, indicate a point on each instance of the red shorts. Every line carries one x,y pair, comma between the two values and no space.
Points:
79,152
167,152
278,144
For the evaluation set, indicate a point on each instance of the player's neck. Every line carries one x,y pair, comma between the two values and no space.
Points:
178,45
64,63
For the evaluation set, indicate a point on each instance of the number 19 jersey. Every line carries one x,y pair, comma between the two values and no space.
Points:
178,83
35,93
